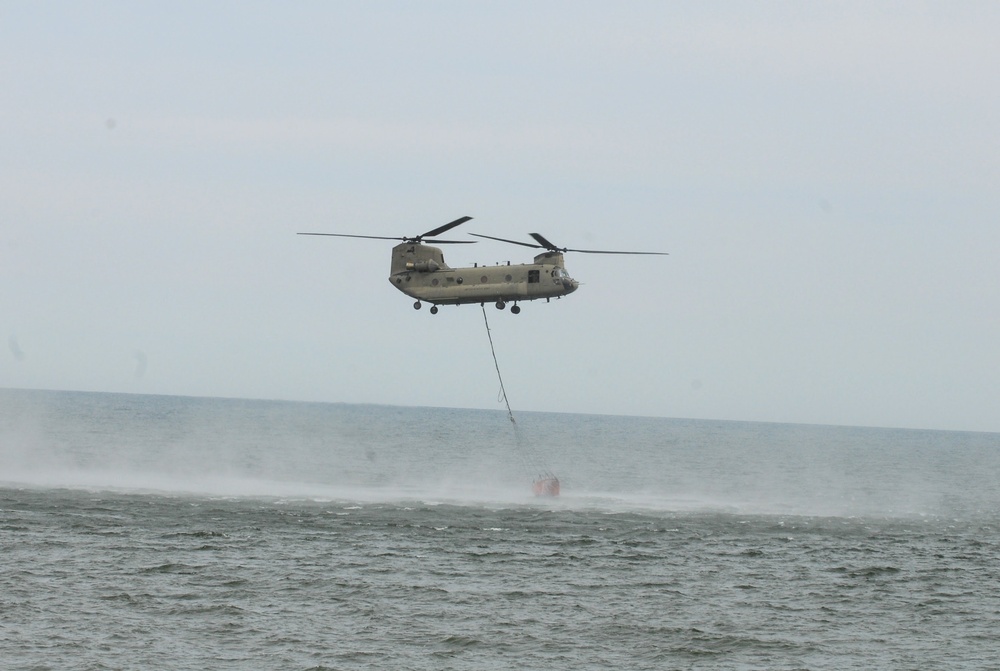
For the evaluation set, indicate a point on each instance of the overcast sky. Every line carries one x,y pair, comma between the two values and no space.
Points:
825,177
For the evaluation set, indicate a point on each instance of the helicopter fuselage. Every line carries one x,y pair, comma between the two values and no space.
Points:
419,271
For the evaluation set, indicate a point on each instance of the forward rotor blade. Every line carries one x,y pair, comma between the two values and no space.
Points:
545,243
450,242
513,242
548,245
447,227
605,251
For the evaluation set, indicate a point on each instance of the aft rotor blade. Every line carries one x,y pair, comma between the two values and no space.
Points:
383,237
513,242
447,227
345,235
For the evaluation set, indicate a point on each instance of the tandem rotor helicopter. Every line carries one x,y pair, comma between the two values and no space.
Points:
419,271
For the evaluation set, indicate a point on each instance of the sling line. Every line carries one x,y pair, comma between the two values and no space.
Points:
545,482
503,392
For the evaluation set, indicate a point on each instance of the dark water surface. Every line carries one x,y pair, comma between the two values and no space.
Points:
141,532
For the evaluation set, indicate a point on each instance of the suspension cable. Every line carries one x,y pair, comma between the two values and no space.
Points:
503,392
545,481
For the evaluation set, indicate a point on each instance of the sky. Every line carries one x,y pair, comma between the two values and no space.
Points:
823,175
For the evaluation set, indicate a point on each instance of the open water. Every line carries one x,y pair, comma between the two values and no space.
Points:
151,532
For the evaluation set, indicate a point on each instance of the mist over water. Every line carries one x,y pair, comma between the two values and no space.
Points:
379,453
191,533
251,448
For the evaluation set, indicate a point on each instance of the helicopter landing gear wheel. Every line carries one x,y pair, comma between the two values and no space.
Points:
434,309
501,305
417,306
515,309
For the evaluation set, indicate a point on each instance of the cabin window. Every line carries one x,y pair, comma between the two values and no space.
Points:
533,277
460,280
508,278
434,282
484,279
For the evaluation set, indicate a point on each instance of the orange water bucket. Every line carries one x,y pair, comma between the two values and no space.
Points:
548,486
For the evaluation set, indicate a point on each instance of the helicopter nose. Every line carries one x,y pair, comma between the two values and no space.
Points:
570,285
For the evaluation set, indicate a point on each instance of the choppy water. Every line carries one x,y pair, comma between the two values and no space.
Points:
141,532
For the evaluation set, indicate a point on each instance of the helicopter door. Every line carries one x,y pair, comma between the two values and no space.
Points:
533,277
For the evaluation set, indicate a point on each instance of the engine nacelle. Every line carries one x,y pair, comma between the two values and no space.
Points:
423,266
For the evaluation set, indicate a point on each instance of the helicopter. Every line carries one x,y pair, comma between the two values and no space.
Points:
418,270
